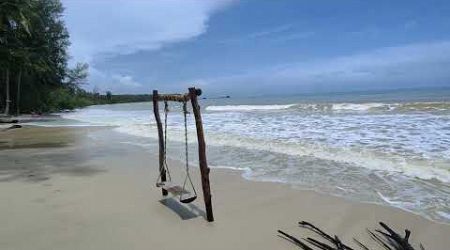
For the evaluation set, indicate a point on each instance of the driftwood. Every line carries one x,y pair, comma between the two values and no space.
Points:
13,127
162,170
386,238
204,169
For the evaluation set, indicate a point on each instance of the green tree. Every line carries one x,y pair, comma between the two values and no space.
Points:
33,61
109,96
77,76
14,28
33,53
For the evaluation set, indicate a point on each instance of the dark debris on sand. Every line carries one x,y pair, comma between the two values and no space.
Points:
386,238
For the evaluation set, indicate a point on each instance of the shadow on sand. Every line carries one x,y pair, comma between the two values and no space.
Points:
187,212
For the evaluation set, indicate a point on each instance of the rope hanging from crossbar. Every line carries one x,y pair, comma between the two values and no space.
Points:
165,169
186,148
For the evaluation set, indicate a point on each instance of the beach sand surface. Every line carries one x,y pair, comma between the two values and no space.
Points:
83,188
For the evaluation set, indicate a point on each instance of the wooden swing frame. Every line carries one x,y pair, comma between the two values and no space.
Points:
204,169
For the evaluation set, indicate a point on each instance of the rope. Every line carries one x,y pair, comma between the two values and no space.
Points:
186,147
166,112
165,165
186,137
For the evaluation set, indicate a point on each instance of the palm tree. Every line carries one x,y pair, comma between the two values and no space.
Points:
14,23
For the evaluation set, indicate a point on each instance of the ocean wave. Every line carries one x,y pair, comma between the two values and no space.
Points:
249,107
339,107
394,107
360,158
363,158
400,150
360,106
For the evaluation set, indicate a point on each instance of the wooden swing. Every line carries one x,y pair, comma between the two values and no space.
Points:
164,180
185,196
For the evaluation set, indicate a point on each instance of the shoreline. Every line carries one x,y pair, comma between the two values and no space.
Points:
107,200
302,189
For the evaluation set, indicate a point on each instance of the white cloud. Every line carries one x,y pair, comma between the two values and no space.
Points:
269,32
126,81
401,63
280,33
117,27
127,26
117,83
401,66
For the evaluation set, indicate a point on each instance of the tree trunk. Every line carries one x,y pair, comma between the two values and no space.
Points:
8,97
19,81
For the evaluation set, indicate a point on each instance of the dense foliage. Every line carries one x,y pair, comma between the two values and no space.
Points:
34,74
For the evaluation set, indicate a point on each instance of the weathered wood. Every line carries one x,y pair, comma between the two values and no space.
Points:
13,127
7,120
173,188
204,170
174,97
162,171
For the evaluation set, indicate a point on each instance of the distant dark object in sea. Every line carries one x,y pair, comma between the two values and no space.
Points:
387,239
219,97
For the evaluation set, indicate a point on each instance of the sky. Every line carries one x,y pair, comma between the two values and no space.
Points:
259,47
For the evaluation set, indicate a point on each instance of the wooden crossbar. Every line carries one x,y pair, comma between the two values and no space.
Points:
176,97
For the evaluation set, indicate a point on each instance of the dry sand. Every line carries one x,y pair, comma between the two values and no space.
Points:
83,189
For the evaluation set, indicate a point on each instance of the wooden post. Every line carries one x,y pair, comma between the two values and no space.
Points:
204,170
161,139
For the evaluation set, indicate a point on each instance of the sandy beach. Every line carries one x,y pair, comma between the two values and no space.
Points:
82,188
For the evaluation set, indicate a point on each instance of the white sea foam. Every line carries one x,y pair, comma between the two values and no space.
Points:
270,135
388,200
444,215
248,107
403,150
358,106
361,158
339,107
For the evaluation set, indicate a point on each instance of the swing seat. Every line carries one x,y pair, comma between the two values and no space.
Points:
188,200
163,183
177,190
172,188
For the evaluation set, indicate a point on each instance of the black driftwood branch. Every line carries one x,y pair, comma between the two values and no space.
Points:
386,238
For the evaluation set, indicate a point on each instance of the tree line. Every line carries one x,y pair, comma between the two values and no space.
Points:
34,71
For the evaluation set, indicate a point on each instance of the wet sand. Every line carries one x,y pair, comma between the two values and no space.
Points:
83,188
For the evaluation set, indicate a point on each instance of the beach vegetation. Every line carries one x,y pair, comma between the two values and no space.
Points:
34,73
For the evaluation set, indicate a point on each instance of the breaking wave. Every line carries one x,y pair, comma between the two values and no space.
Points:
248,107
395,153
339,107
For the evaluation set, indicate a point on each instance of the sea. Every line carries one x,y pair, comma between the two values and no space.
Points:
385,147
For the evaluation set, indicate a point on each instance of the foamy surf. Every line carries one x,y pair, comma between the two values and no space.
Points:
248,107
369,151
340,107
361,157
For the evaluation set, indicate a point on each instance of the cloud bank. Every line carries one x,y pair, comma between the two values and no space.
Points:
414,65
107,28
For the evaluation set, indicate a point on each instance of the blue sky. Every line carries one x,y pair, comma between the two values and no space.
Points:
255,47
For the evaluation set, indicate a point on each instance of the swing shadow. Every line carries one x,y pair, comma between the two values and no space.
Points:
188,212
